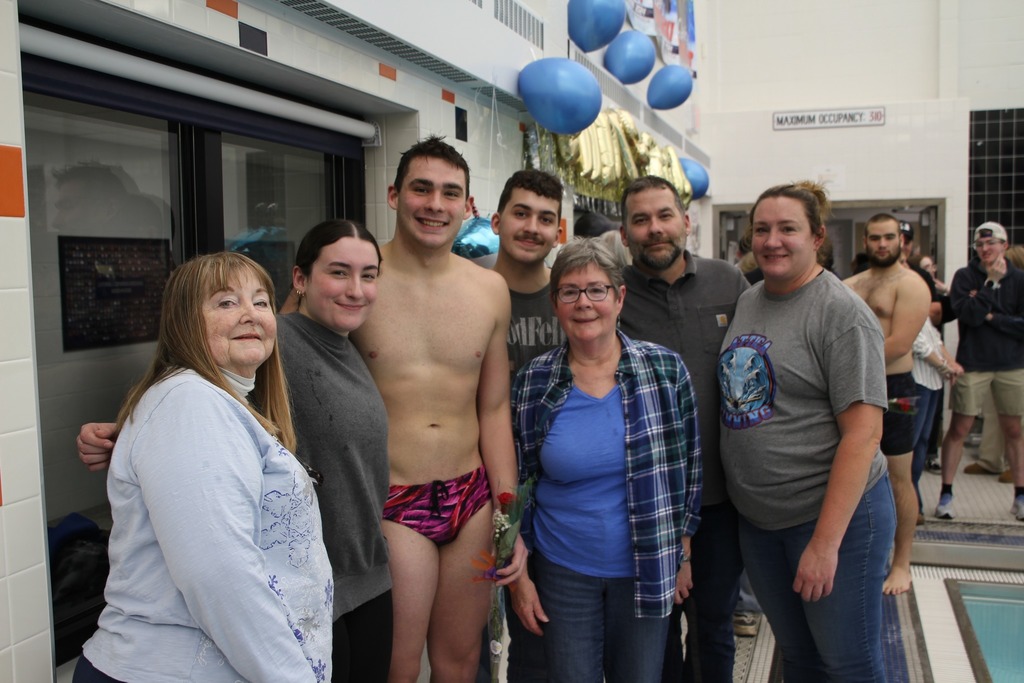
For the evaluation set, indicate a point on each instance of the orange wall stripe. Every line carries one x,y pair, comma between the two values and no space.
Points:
388,72
228,7
12,182
447,96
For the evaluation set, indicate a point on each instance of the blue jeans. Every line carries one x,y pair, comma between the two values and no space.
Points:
837,638
927,407
717,565
593,634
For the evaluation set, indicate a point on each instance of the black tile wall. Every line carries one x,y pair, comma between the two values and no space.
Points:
996,174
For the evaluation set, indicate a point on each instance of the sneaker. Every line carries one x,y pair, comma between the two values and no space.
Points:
933,465
745,624
977,468
1017,510
944,510
1006,477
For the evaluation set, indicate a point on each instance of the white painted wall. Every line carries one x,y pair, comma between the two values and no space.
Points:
928,62
990,41
921,153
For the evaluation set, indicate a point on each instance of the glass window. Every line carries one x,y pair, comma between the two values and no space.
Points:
273,194
101,228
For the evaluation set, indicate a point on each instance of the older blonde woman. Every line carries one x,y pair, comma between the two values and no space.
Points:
218,570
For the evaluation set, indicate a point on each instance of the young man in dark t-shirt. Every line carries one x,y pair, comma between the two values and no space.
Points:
526,223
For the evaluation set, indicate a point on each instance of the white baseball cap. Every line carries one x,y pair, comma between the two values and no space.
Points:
990,229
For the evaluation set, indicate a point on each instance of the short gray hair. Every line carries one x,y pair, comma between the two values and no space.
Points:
580,253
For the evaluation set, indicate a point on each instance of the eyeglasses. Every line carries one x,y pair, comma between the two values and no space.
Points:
981,244
570,294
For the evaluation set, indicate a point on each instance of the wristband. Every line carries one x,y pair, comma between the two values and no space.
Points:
685,558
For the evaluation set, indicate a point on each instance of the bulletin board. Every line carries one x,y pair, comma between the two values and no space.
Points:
111,290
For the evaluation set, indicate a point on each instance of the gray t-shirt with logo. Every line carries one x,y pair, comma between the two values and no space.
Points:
789,365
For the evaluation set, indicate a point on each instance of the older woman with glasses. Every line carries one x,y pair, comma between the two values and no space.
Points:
608,428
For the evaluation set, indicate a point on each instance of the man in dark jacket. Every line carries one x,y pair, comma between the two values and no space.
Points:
988,298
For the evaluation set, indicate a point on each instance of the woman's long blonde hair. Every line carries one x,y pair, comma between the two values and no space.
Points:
182,343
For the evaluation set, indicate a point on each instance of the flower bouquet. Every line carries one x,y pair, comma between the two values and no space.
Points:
507,521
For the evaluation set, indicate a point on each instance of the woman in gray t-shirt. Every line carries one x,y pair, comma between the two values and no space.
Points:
802,373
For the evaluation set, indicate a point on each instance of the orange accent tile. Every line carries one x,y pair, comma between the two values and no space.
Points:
228,7
12,182
388,72
563,228
447,96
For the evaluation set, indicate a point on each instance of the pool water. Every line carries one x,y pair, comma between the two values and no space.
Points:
996,612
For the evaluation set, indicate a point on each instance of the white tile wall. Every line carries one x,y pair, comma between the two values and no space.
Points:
24,540
160,9
14,343
19,463
33,659
5,621
27,590
25,652
13,264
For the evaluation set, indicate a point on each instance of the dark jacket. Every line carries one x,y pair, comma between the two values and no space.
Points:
989,345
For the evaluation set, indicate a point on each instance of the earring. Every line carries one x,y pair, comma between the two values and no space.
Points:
299,294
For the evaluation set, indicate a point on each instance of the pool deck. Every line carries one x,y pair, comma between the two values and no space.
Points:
921,638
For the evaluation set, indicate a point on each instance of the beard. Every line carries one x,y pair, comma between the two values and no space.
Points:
657,263
883,262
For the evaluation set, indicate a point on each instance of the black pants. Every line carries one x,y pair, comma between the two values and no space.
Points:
85,672
362,642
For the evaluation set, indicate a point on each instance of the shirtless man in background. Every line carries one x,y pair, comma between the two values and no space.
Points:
900,299
435,345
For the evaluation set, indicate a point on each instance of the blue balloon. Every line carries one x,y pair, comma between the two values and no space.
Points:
560,94
593,23
630,57
475,239
670,87
697,175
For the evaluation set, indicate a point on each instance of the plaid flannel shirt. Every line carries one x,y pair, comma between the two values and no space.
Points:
663,466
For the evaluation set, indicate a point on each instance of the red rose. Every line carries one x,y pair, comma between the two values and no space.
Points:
506,498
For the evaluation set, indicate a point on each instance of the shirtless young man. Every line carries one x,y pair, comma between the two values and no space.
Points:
900,299
435,346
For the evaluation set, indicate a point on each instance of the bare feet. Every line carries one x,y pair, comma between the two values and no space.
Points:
897,582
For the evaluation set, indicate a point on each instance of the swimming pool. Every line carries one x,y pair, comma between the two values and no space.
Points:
991,620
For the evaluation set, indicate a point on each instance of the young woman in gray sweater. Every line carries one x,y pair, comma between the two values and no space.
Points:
342,432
